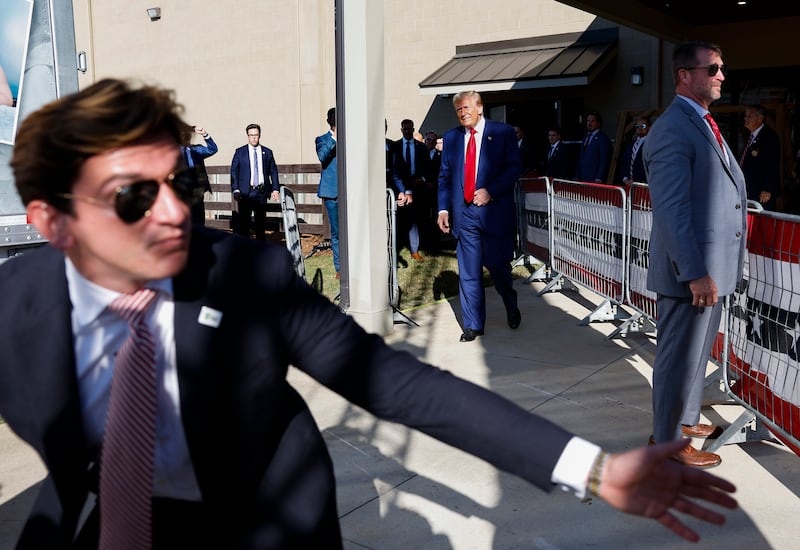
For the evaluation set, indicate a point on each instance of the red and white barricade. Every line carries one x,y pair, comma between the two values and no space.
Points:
763,334
589,228
533,215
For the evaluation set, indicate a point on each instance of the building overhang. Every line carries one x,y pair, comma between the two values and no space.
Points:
571,59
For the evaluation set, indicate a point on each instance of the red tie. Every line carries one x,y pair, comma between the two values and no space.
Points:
469,168
714,128
126,463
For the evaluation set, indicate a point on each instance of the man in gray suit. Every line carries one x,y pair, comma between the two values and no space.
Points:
697,243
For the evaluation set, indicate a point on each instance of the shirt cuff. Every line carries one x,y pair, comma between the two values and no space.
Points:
574,465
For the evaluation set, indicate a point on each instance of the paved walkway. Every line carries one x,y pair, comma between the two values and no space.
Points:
399,489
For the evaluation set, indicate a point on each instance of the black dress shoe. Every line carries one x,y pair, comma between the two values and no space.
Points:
514,318
470,334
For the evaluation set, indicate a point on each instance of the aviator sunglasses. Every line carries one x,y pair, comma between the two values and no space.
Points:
710,69
133,201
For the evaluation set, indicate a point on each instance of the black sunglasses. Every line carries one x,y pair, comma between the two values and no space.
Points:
711,69
133,201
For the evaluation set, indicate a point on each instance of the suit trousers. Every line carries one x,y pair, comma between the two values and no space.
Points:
252,206
476,248
686,334
332,208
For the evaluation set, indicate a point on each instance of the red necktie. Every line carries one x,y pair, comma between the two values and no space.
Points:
714,128
126,463
469,168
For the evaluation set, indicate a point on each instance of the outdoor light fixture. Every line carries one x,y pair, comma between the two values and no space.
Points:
82,62
154,14
637,74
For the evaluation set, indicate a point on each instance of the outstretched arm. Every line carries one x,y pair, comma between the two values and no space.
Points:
646,482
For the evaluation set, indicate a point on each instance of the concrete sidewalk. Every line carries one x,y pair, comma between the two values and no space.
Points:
400,489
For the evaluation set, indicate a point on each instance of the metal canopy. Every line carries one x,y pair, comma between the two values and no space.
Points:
571,59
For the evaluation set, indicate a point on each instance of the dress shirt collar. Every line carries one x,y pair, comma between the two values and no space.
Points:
755,132
701,111
478,127
90,300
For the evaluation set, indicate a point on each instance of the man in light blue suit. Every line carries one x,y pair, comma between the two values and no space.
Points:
596,152
328,183
697,242
481,202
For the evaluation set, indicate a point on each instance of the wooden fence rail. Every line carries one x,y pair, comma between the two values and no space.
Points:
302,179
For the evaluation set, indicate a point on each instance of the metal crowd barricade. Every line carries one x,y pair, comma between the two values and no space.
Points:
391,245
637,297
533,225
589,227
291,230
762,340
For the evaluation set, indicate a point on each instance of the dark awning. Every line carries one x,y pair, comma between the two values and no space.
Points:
571,59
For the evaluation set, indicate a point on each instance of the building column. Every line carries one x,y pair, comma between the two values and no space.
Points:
361,159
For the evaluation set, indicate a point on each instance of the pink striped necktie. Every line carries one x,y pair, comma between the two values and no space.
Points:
126,463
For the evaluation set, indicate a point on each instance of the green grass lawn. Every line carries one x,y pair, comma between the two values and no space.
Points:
420,283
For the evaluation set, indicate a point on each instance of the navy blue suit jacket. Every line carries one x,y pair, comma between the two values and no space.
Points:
240,173
198,154
499,168
762,165
637,174
403,176
595,159
261,464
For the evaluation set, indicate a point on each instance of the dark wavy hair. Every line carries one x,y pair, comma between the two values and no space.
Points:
54,142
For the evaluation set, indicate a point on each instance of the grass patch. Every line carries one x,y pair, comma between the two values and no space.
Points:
421,283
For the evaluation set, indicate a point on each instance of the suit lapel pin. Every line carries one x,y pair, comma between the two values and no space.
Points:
209,317
489,138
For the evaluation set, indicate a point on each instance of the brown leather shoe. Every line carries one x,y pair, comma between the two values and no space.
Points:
697,458
693,457
417,256
701,430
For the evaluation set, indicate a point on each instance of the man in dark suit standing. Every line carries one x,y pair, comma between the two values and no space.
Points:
697,243
480,166
595,156
195,155
154,361
430,230
557,159
410,168
253,173
526,150
631,165
761,158
328,189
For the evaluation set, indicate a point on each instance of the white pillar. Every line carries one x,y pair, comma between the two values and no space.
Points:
360,131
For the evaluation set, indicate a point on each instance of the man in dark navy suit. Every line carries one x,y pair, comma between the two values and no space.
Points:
557,158
595,154
235,459
195,155
253,174
631,165
761,158
411,161
477,190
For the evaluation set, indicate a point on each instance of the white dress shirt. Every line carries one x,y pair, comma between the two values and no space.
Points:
98,335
